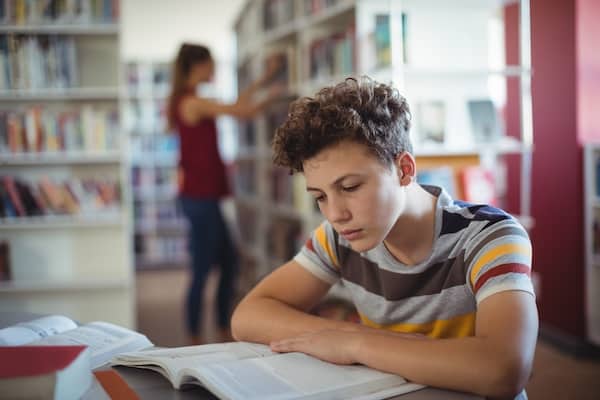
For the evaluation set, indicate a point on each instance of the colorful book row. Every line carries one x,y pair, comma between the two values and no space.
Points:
37,129
27,12
46,196
37,62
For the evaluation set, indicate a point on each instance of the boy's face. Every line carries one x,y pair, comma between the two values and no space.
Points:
360,196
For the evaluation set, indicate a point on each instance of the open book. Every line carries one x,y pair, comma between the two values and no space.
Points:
104,340
247,371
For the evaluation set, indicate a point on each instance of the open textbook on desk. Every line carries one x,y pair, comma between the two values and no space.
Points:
104,340
248,371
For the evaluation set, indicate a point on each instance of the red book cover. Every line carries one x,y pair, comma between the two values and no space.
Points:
36,360
52,194
44,372
479,185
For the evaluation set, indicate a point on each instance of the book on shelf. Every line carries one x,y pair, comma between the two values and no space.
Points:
247,134
247,219
405,38
245,371
12,200
147,78
245,74
44,372
441,176
312,7
332,55
485,124
244,179
281,186
479,185
275,115
284,238
277,13
596,233
382,41
22,12
161,78
132,78
104,340
431,122
38,62
5,266
282,62
157,250
46,196
37,129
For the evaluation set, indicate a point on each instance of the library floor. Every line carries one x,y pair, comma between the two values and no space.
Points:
160,294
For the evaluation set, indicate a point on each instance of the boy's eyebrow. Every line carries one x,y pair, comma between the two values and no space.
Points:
335,183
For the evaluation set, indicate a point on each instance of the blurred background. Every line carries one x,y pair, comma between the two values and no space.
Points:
503,95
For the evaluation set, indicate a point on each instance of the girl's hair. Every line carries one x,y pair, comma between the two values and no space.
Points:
189,55
359,110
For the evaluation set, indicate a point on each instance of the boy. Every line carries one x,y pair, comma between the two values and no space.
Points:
442,287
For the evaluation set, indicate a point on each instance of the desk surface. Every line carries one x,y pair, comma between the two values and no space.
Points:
151,385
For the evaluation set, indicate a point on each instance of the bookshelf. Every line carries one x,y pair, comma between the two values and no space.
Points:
160,229
591,212
446,58
64,209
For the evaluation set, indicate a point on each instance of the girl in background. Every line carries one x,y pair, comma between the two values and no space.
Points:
203,180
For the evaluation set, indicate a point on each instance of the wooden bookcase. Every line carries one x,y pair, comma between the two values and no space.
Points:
59,123
446,58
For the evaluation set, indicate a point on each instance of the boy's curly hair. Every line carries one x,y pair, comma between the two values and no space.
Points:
360,110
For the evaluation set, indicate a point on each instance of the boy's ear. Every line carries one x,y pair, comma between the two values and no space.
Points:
406,168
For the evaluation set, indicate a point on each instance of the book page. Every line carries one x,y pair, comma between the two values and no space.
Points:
295,375
174,360
26,332
105,340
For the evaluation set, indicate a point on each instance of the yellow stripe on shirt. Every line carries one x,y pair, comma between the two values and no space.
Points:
321,236
460,326
496,252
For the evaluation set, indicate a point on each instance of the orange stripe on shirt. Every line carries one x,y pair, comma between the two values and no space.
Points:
500,270
321,236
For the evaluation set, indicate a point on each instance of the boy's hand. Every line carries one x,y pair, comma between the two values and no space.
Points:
339,346
336,346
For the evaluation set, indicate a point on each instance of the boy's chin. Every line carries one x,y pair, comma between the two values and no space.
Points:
360,246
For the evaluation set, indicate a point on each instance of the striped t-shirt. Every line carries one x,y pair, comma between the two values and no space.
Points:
478,251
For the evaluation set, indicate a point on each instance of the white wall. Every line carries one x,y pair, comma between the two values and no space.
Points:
154,29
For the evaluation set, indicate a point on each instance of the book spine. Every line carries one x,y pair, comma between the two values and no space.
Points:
5,266
13,194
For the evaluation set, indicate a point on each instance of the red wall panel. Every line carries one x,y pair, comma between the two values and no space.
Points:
556,198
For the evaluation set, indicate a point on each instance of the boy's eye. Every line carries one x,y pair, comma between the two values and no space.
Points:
350,188
319,199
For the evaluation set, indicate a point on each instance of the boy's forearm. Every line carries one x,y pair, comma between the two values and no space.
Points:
466,364
264,320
